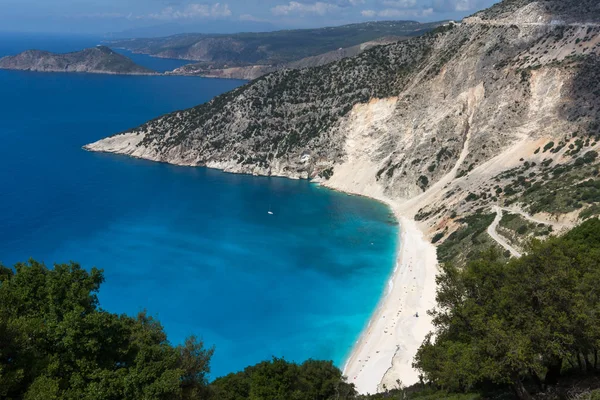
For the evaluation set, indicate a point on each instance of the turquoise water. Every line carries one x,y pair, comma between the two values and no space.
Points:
194,247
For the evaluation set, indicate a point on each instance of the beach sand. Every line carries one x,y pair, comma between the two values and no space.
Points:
382,358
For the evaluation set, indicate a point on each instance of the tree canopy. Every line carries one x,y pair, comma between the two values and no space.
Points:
279,379
55,343
503,322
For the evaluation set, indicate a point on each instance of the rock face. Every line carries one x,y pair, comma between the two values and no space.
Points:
100,59
438,122
255,71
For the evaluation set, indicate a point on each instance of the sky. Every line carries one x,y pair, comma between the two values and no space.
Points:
104,16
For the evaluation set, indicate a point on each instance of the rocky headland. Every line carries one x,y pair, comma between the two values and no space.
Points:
99,60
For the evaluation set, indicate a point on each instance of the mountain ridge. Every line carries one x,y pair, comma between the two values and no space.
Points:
255,71
269,48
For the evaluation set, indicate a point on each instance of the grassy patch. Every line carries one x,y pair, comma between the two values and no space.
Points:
557,189
469,240
520,231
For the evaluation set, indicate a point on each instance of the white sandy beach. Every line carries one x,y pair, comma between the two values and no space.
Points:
385,351
386,348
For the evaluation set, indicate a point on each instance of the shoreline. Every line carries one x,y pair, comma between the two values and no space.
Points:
382,356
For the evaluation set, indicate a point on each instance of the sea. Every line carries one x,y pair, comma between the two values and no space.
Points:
194,247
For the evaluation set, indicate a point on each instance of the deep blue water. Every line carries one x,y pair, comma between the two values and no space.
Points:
11,44
194,247
156,64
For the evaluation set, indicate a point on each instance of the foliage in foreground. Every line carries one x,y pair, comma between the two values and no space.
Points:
56,343
278,379
527,319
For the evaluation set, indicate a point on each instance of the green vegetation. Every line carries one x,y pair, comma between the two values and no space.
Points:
561,188
55,343
469,240
590,212
290,109
523,324
327,174
98,59
278,379
555,187
580,10
520,231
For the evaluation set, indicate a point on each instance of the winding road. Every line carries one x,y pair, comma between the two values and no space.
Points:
497,238
557,226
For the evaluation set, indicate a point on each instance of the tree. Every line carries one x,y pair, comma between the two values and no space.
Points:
281,380
195,363
503,322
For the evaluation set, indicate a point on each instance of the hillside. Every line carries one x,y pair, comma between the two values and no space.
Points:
255,71
269,48
485,133
98,59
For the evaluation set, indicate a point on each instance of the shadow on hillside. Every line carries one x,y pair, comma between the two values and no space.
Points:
585,94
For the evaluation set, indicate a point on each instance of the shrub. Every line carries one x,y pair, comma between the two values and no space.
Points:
522,230
548,146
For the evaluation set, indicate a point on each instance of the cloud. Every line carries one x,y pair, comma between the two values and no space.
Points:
368,13
399,13
338,3
250,17
192,11
400,3
461,5
297,8
100,15
464,5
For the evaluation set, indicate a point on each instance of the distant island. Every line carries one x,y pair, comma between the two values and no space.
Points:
98,60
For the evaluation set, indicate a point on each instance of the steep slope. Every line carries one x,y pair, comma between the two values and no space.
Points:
98,59
255,71
266,127
500,110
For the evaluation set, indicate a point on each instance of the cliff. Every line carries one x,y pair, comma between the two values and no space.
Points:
98,59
